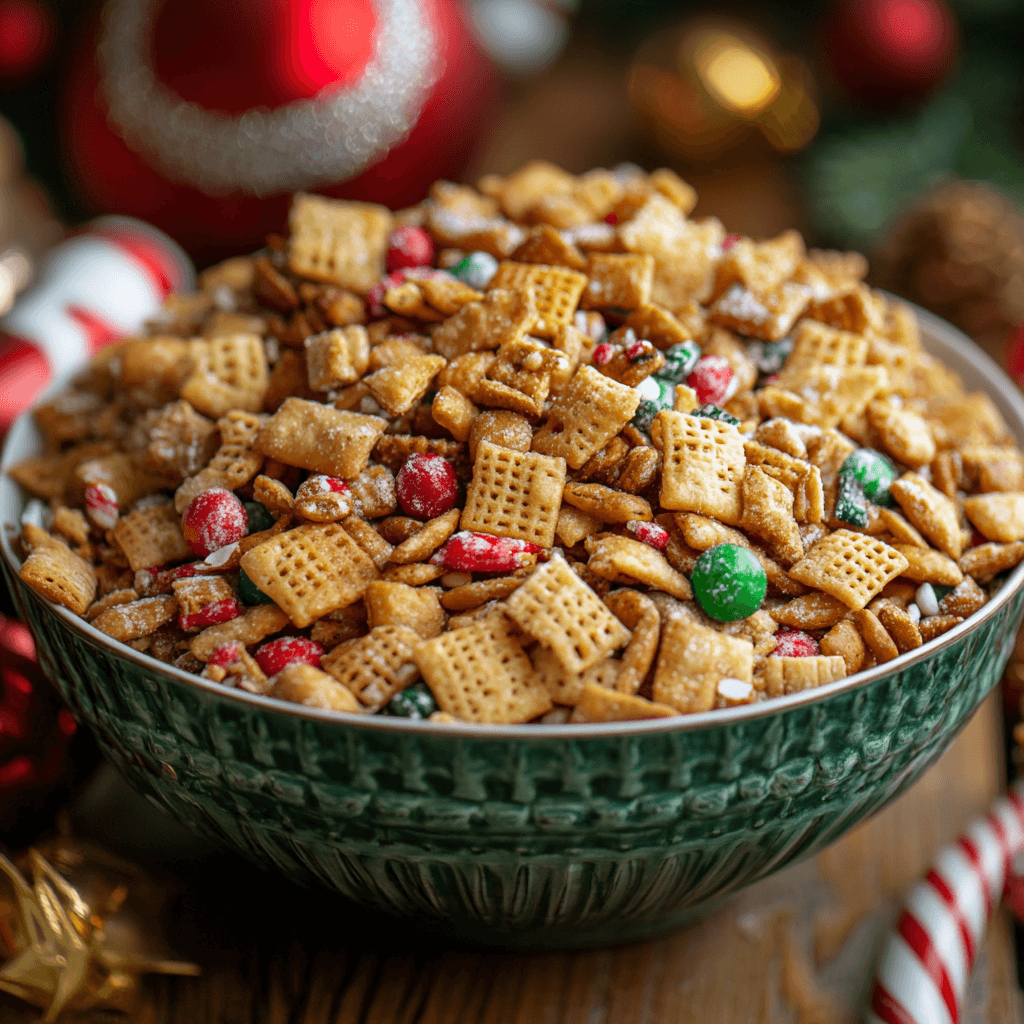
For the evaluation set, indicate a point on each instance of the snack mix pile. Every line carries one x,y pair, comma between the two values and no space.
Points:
544,451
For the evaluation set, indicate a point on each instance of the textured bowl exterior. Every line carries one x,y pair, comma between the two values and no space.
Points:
522,841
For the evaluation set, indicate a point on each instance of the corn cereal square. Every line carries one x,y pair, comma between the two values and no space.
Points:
310,571
514,494
703,466
850,566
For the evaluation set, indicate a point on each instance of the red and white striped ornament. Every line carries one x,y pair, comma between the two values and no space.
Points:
97,286
928,955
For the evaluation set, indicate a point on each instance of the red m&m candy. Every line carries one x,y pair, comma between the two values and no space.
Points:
213,520
482,552
409,247
426,486
795,643
711,378
277,655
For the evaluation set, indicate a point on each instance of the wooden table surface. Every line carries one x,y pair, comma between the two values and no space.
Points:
796,948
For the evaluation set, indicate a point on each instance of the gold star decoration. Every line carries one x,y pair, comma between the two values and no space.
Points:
68,939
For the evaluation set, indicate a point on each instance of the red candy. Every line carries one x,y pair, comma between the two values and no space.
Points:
729,241
226,654
212,520
211,614
711,378
603,353
650,533
426,486
409,247
277,655
480,552
795,643
101,505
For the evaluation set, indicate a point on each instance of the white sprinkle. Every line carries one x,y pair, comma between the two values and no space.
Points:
927,601
649,388
914,612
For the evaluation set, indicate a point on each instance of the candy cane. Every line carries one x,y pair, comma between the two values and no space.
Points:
928,955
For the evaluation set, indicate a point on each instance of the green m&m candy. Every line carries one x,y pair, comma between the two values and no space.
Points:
680,361
728,582
249,592
851,505
476,269
257,515
873,471
414,701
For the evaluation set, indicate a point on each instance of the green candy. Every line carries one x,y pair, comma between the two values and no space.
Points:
645,413
873,471
414,701
249,592
476,269
258,517
680,361
728,582
712,412
851,505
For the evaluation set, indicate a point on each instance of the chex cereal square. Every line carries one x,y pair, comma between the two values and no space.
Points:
514,494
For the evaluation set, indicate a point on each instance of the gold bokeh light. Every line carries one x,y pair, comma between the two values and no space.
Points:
738,76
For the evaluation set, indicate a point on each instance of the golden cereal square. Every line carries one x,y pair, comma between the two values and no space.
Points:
556,292
230,373
618,282
480,673
693,660
768,317
850,566
336,358
320,438
234,463
398,604
931,512
815,344
998,516
398,388
703,466
310,571
557,608
309,686
790,675
501,317
340,242
151,537
53,570
137,619
514,494
585,417
376,666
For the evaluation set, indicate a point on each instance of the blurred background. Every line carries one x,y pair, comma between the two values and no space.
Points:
891,126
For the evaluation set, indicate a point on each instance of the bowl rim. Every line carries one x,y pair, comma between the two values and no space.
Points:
998,386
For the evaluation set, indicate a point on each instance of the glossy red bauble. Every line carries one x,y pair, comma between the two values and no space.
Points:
351,98
886,54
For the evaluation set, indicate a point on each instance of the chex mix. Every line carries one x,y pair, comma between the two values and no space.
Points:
545,450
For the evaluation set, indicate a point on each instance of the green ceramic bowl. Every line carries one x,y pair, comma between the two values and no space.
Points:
529,835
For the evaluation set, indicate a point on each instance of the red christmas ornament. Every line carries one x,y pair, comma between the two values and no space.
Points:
41,750
204,118
26,38
888,53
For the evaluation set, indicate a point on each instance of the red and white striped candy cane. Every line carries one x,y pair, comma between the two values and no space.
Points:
928,955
